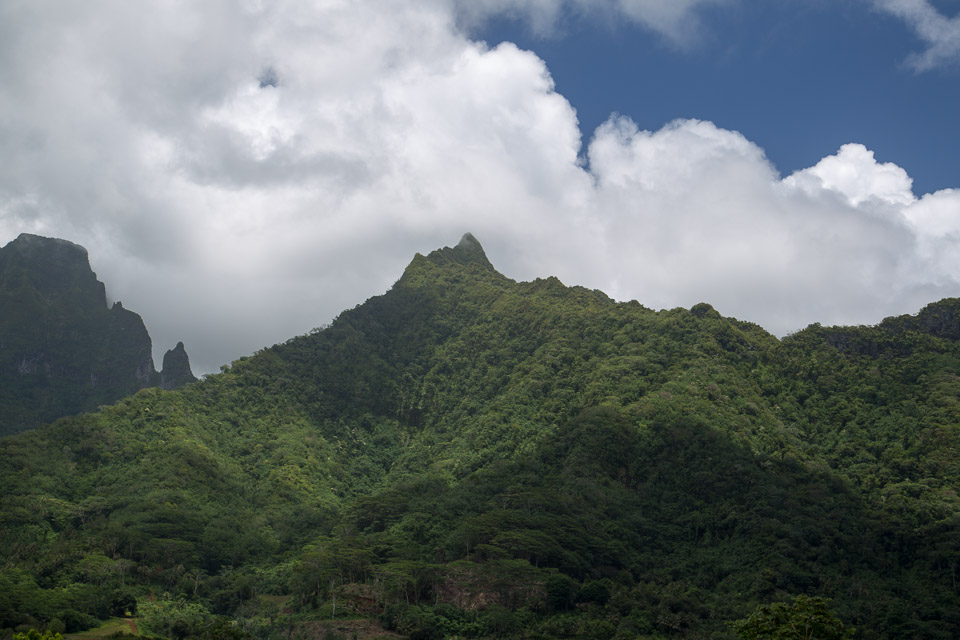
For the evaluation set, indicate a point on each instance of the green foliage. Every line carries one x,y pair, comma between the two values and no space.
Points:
561,592
805,618
474,457
33,634
596,592
173,618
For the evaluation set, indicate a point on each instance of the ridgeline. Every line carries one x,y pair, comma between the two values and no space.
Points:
469,456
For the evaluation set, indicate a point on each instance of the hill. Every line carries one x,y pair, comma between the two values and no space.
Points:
62,350
471,456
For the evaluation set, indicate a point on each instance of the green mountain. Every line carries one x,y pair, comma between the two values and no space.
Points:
468,456
62,350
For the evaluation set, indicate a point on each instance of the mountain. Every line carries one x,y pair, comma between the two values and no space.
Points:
470,456
176,369
62,350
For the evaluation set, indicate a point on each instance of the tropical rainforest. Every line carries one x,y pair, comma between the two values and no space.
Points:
467,456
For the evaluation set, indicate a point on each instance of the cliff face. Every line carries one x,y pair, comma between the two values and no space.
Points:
176,369
55,271
62,349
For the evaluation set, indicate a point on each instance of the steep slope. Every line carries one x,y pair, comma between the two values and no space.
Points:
176,369
469,455
62,350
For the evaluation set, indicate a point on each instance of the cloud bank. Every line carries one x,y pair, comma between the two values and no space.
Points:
242,172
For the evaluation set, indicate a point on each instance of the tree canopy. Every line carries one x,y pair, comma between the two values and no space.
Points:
471,456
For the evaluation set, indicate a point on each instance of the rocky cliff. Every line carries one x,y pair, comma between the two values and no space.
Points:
63,350
176,369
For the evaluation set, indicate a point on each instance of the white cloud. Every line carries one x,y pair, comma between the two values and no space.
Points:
675,19
935,219
694,212
233,213
940,33
855,174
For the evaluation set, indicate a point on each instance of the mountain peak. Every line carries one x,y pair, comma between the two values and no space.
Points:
469,241
176,369
64,351
28,247
466,252
54,267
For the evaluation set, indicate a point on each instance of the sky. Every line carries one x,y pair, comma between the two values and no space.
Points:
242,171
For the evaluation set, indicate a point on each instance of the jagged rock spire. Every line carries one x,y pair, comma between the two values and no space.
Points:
176,369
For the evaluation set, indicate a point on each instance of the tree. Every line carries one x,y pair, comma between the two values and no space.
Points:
33,634
561,592
172,618
807,618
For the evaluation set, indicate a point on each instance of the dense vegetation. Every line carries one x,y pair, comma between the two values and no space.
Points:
474,457
62,349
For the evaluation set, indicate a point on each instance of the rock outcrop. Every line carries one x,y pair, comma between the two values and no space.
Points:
62,349
176,369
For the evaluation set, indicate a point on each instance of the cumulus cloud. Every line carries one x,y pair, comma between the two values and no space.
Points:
695,212
940,33
242,172
855,174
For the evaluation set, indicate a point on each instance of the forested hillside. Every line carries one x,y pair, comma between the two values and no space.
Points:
469,456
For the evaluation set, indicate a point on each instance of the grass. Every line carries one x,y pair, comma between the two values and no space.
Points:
110,627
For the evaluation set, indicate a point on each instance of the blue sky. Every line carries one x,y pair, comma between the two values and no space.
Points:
798,77
787,161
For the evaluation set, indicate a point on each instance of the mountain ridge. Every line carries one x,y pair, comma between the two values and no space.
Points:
513,449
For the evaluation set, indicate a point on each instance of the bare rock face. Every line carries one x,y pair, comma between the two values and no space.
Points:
56,270
62,349
176,369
